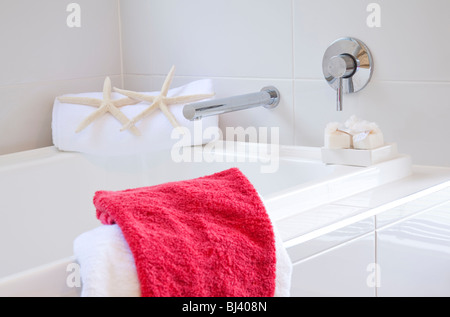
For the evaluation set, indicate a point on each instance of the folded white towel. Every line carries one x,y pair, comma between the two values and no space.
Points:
103,136
283,268
107,265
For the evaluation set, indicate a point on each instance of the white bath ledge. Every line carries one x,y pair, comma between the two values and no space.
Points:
48,280
305,197
423,181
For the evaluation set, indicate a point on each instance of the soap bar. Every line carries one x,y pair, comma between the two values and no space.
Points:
338,140
368,140
335,138
366,135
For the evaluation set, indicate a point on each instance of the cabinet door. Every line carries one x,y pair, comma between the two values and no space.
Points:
414,255
345,270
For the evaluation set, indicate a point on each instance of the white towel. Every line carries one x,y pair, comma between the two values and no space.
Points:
103,136
283,268
107,265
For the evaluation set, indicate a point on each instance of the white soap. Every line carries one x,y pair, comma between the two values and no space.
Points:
368,141
337,140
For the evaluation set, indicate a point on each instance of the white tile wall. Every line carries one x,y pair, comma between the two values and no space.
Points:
413,114
226,38
38,45
42,58
242,45
409,45
408,94
26,110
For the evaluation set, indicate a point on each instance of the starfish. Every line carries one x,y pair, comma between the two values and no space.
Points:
160,101
104,105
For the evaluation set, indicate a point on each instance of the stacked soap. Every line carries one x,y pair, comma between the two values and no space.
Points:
336,137
353,134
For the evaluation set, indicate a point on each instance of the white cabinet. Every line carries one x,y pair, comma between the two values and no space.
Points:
344,270
401,249
414,255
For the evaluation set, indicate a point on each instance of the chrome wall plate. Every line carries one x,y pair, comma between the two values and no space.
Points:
362,57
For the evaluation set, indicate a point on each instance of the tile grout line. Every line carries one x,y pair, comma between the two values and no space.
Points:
294,125
377,265
289,79
122,75
57,80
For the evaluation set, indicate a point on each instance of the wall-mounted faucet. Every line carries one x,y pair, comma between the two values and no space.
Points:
268,97
347,67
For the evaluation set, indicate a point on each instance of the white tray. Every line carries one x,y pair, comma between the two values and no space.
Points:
359,157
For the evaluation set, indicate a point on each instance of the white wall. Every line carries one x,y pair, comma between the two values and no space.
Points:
42,58
243,45
246,44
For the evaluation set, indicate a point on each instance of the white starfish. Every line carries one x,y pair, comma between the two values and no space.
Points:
160,101
104,105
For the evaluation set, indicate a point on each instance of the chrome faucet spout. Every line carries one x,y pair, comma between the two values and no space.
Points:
268,97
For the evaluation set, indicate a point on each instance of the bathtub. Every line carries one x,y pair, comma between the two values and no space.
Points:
47,198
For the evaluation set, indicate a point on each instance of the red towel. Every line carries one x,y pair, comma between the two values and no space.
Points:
206,237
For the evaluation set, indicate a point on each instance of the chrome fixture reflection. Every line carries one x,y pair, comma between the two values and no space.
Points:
268,97
347,67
